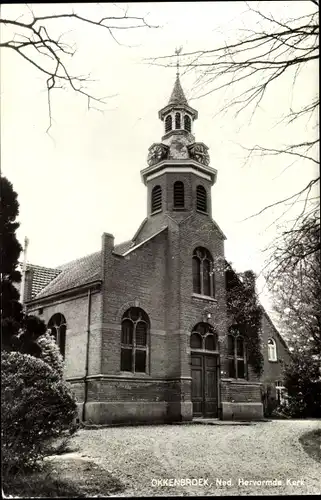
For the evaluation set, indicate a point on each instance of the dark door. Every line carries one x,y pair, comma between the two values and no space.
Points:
204,385
197,384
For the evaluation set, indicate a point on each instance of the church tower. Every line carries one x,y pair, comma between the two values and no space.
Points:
178,176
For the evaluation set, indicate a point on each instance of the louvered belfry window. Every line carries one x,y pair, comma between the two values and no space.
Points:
187,123
177,120
168,123
134,341
178,194
201,198
156,198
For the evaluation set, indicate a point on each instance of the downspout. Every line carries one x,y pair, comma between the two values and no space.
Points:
87,356
24,270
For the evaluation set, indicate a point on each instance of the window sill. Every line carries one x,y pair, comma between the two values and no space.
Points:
238,380
272,360
203,297
136,374
157,212
203,351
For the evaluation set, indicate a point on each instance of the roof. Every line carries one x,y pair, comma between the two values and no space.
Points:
134,247
121,248
37,278
178,96
74,274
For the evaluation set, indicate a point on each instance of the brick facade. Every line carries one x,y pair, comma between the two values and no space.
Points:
153,272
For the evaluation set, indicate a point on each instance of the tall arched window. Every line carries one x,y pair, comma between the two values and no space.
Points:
203,272
134,341
203,337
156,198
58,326
168,123
177,120
272,355
187,123
201,198
236,356
178,194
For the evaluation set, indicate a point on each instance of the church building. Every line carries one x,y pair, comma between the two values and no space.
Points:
143,325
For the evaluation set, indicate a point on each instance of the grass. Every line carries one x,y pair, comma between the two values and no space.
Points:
69,478
311,442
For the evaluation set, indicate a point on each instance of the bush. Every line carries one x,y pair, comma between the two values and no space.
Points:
37,405
303,382
50,353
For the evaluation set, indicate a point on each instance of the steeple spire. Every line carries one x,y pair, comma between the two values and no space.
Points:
178,96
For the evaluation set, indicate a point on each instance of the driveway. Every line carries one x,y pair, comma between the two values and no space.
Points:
264,458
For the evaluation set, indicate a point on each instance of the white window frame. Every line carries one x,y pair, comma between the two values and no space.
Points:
281,392
272,353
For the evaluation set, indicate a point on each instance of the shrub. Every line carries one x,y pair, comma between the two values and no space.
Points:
303,382
50,352
37,405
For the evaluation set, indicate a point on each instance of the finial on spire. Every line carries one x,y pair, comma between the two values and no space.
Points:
177,52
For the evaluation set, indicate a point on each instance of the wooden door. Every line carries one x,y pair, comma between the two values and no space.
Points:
197,384
210,386
204,385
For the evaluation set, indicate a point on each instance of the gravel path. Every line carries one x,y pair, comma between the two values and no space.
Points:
143,458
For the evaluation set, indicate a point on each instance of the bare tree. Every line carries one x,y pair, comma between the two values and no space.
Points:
295,280
31,38
296,285
252,64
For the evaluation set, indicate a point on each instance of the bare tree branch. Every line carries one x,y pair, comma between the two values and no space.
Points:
34,35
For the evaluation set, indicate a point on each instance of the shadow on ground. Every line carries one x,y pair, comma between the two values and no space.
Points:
311,443
61,476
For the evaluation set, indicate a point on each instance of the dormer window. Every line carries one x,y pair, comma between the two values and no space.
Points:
201,198
178,194
156,199
168,123
177,120
187,123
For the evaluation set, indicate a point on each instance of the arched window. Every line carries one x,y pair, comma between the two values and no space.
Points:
203,337
203,272
196,341
272,355
177,120
201,198
58,326
134,341
178,194
156,198
168,123
236,356
187,123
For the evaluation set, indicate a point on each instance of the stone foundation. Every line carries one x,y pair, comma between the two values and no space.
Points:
242,411
116,412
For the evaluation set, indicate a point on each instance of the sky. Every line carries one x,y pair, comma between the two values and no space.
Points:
83,177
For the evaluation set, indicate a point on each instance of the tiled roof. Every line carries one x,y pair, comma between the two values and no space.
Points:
37,277
73,274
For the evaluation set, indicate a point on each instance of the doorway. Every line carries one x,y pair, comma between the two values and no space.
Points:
204,369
